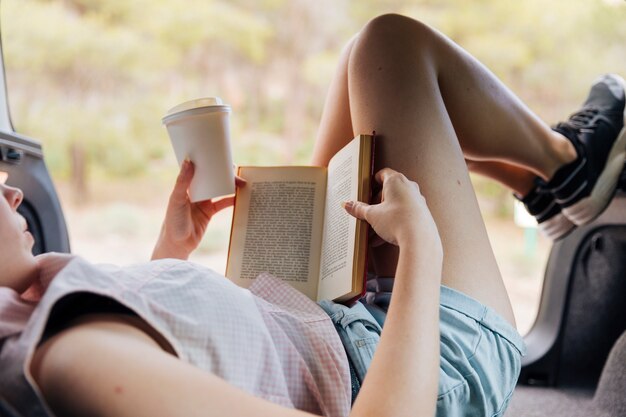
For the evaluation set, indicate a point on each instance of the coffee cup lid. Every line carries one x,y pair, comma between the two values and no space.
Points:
199,103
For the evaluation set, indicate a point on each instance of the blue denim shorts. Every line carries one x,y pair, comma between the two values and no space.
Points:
480,352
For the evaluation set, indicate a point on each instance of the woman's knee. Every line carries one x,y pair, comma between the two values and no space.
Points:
394,30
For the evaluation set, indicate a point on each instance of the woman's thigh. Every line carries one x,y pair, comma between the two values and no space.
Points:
480,352
387,82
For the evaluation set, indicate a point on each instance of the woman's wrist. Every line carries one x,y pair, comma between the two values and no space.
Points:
412,236
425,245
164,248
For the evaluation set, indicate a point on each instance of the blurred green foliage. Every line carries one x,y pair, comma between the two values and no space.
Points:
91,79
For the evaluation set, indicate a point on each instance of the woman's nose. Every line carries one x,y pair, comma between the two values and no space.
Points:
13,195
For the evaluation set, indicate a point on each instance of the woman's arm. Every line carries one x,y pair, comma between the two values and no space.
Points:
107,366
403,377
185,222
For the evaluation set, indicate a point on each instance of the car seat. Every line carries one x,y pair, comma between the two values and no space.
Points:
581,322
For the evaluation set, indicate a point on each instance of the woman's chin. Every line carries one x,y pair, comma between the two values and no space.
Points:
26,273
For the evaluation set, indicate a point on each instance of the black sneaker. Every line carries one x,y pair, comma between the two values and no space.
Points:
550,219
584,187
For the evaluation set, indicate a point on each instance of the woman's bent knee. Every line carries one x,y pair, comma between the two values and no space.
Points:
395,29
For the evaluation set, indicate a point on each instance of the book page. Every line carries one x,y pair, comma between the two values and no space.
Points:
277,226
338,241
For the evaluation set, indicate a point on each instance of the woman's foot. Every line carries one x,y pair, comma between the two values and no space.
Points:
550,219
584,187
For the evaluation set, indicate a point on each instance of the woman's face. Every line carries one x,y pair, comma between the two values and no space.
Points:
18,267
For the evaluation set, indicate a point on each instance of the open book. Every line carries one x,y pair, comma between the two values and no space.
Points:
289,221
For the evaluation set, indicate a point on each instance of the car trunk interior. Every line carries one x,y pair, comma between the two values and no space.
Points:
576,362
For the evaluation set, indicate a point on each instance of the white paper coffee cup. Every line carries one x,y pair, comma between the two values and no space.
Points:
200,130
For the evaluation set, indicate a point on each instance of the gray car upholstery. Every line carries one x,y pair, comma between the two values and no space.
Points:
576,362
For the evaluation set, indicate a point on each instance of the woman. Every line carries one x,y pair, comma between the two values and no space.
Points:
171,338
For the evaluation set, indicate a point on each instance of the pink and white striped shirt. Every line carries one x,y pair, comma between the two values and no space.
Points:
269,340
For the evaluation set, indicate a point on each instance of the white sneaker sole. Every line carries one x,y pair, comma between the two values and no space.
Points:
590,207
556,227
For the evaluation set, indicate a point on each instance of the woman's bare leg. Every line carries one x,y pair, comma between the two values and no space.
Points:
430,104
520,180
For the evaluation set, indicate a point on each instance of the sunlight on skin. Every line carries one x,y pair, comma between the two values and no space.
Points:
3,177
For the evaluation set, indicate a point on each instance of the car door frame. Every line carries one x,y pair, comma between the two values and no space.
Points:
22,159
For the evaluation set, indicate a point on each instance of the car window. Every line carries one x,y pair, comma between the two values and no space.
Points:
5,121
91,80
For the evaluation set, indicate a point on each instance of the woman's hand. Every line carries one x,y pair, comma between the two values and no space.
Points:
185,222
402,216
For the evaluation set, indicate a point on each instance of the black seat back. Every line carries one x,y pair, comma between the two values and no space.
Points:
595,316
6,410
583,306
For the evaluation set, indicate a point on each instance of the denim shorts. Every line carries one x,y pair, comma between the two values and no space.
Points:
480,352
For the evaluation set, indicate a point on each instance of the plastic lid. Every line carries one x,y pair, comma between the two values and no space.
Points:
194,104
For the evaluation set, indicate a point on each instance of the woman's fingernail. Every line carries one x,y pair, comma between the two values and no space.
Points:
347,205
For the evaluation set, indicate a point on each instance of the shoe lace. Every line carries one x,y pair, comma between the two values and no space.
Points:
585,118
541,186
